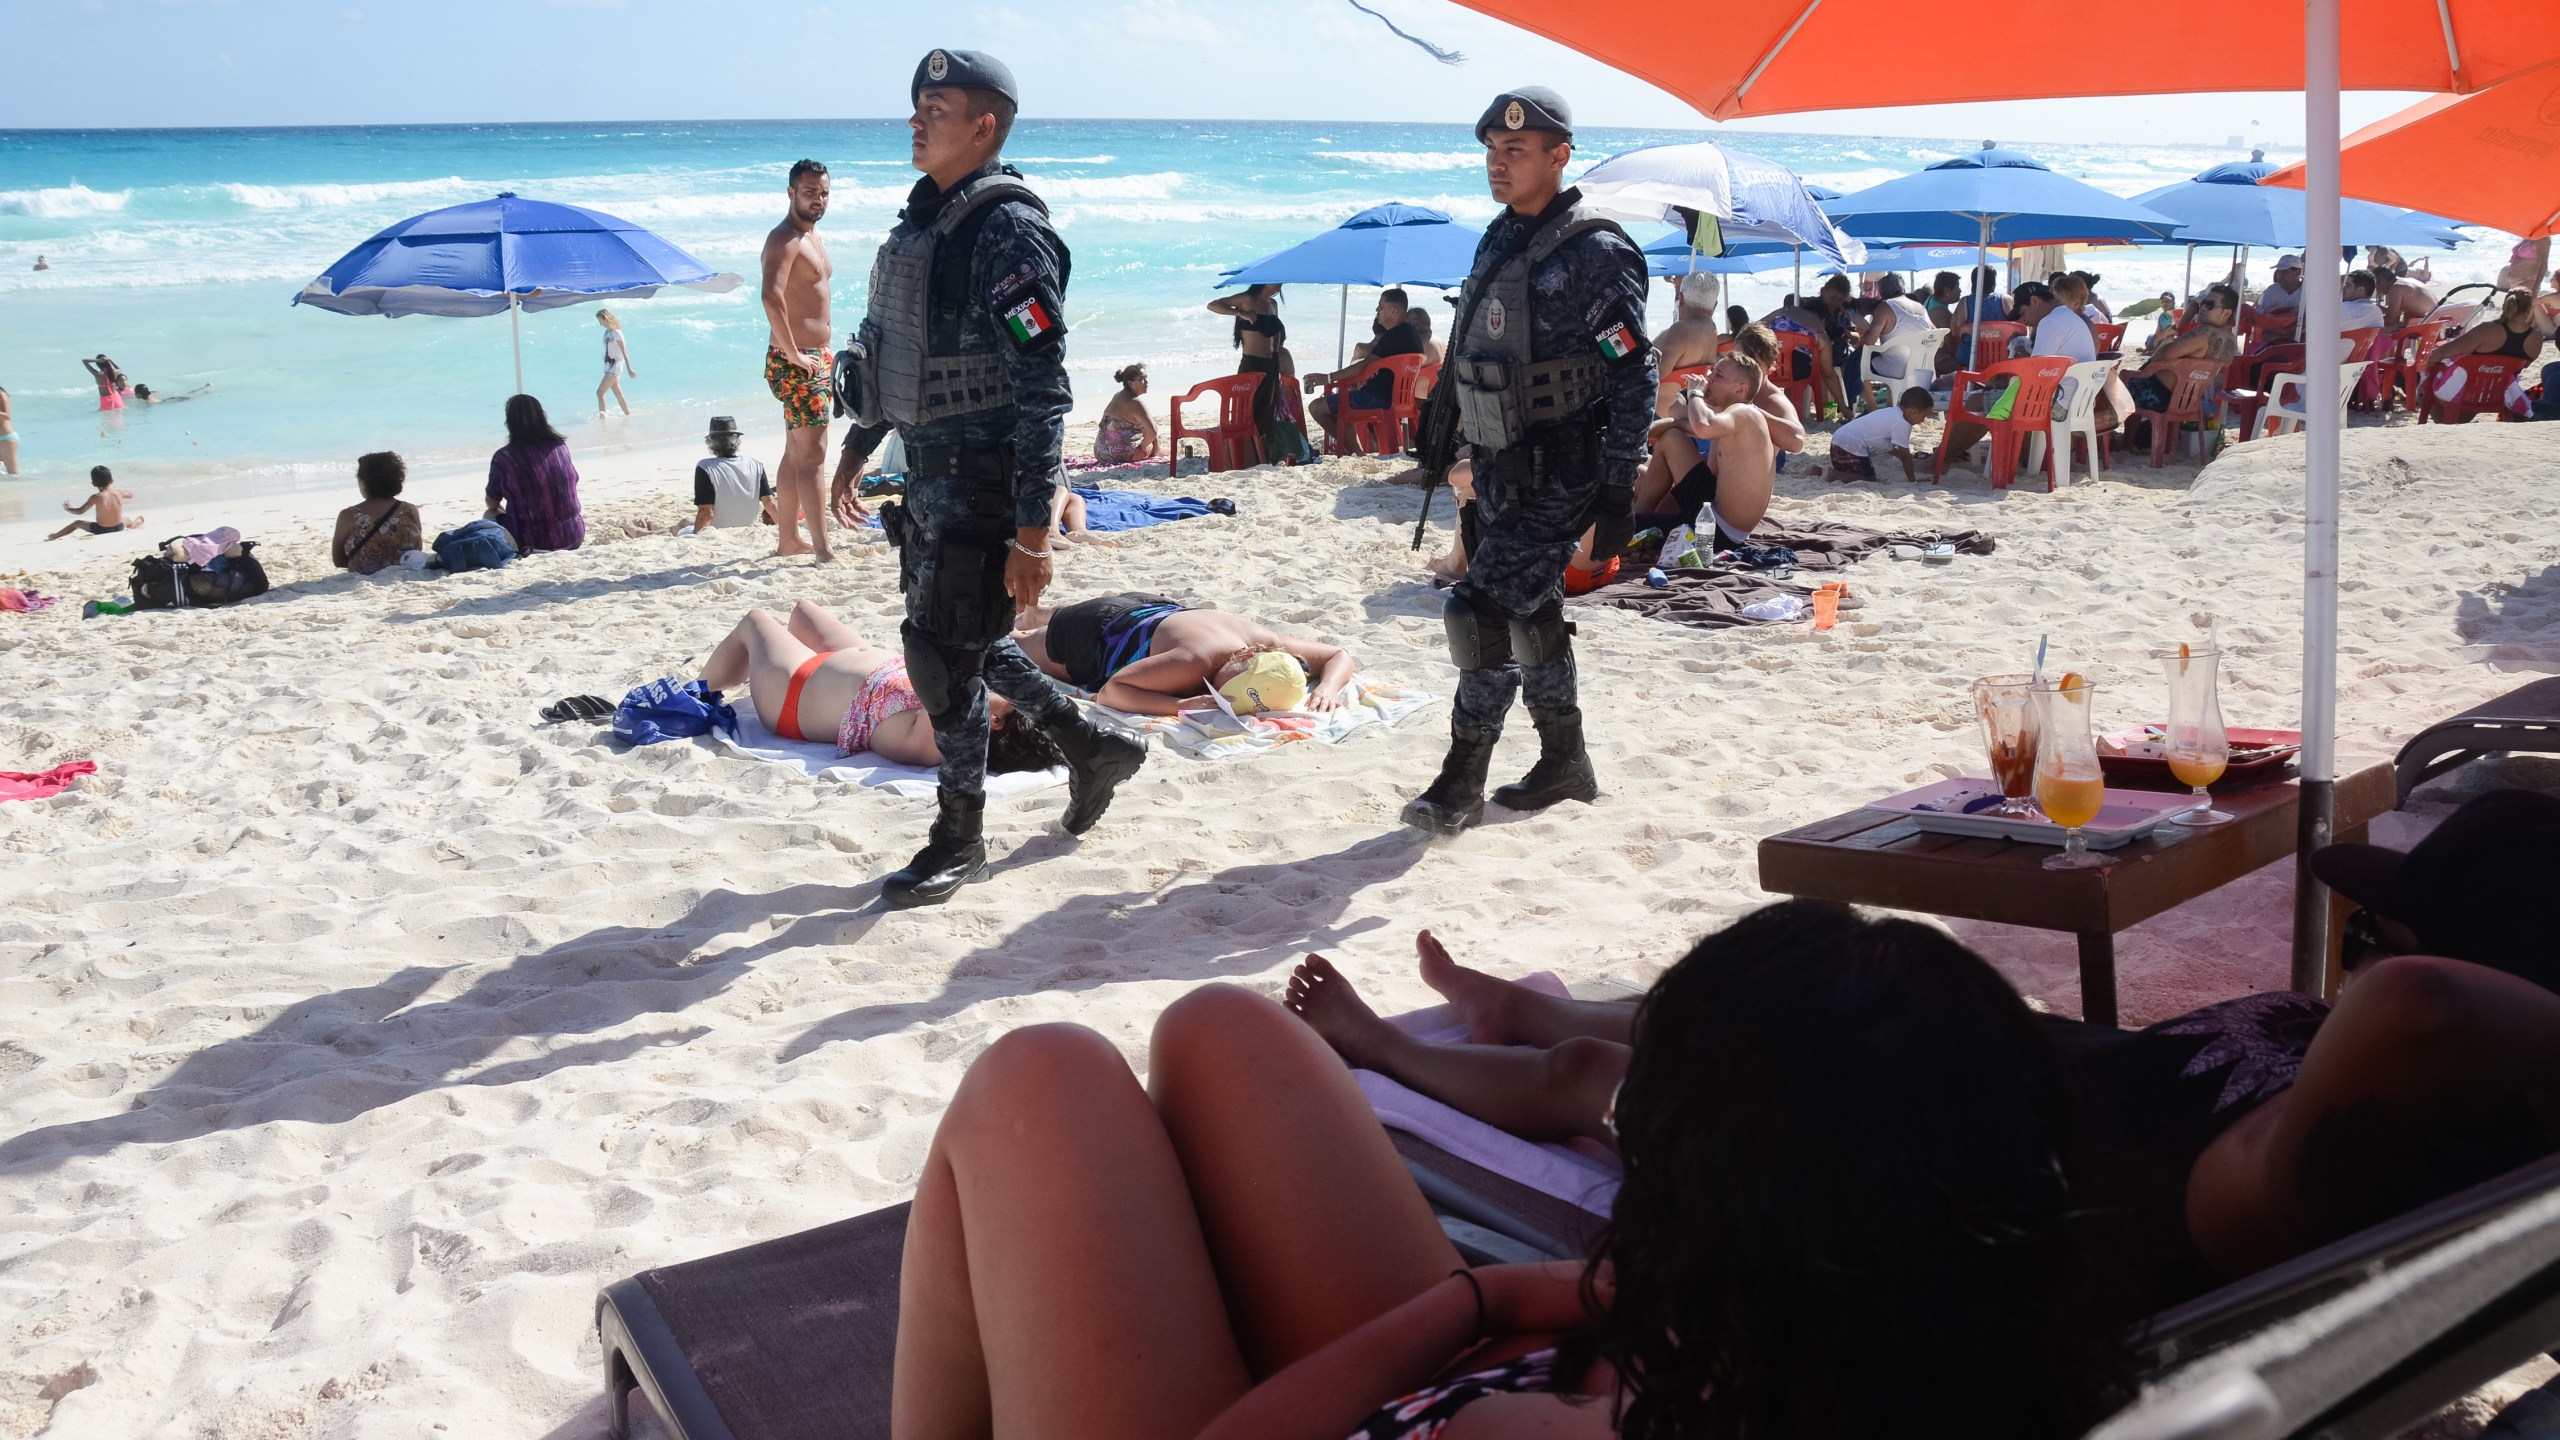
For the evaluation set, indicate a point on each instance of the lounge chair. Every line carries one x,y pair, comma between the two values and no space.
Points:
2525,720
792,1339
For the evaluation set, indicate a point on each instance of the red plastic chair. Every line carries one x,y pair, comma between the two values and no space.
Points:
2030,415
1232,441
1805,393
1991,340
2186,405
2402,368
2484,389
2110,338
1379,432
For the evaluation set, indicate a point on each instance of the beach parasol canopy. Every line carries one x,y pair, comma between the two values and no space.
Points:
509,254
1992,197
1750,197
1391,244
1672,255
1779,57
2227,206
2487,159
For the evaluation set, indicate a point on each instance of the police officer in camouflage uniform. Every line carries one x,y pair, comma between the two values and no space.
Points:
1554,383
963,352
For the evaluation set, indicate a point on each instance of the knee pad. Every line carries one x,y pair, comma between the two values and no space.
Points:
1477,640
1542,637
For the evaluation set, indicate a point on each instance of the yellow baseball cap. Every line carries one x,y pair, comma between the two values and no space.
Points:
1271,680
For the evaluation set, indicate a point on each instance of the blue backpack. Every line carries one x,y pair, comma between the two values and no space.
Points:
481,545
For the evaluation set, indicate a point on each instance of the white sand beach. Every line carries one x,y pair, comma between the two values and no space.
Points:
356,1027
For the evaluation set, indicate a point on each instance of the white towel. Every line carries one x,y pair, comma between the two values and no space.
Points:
1212,734
820,757
1576,1177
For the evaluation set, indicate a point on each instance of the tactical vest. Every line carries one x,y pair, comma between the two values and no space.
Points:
1502,393
916,372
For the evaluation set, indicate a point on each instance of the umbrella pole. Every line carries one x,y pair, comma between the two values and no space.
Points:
2187,291
2321,346
1342,332
1971,353
515,334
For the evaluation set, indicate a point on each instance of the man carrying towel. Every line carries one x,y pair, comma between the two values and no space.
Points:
1553,379
963,353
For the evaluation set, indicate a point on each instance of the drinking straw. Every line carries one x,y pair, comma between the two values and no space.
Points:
2040,644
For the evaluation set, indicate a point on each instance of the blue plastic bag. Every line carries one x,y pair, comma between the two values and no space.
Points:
481,545
671,709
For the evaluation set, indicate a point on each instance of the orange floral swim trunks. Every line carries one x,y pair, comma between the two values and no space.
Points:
806,398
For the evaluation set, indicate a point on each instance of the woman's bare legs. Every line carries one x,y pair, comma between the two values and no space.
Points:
1081,1261
763,653
817,627
611,384
2413,1040
1556,1092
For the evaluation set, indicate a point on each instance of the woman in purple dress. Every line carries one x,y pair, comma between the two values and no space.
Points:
533,486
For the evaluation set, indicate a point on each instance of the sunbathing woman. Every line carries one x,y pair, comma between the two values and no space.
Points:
1148,655
817,676
2239,1135
1847,1143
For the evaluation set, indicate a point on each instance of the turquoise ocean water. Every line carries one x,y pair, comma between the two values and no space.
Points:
177,252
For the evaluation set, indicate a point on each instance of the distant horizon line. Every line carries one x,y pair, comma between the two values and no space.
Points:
57,130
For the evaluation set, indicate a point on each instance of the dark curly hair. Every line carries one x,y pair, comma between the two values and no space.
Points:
1014,743
1854,1199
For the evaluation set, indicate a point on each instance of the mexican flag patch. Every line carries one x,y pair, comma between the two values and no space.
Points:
1030,320
1617,342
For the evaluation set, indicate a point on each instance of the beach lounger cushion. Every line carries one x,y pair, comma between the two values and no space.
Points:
2525,720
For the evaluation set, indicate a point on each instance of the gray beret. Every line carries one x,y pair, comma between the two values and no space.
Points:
966,70
1531,107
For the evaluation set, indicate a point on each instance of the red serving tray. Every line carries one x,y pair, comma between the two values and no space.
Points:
2255,755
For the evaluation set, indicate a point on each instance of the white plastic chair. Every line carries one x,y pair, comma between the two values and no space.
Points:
2085,381
2282,419
1917,350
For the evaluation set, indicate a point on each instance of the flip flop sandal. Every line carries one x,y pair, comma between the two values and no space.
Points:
1939,554
1222,507
592,709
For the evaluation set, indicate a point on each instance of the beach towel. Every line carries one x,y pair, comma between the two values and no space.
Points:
820,757
1217,732
671,709
1584,1178
20,785
1720,599
1135,509
23,601
200,549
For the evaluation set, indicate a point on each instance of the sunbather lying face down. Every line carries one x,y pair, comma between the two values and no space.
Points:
815,677
1148,655
1842,1138
2235,1136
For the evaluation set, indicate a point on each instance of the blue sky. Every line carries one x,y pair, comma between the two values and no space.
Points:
317,62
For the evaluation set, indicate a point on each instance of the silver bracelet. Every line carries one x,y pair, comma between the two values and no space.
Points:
1034,554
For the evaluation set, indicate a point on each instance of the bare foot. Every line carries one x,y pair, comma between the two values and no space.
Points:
1320,996
825,556
1481,1000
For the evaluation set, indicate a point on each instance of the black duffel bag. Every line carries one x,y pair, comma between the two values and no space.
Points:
162,584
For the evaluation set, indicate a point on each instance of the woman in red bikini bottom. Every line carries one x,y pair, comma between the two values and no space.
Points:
813,677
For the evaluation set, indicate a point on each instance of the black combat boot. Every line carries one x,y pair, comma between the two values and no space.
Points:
1455,801
1097,761
954,854
1563,771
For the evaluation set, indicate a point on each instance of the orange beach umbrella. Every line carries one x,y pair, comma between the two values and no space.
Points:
1778,57
2492,158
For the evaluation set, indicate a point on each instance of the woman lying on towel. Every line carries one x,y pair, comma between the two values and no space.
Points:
816,676
1847,1143
2238,1135
1147,655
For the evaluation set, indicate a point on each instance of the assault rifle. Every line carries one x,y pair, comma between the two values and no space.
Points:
1435,447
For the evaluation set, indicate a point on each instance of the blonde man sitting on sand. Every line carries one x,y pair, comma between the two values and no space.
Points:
1734,481
814,675
1147,655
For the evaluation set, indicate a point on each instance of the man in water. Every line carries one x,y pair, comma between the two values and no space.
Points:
1690,340
1553,379
964,353
797,364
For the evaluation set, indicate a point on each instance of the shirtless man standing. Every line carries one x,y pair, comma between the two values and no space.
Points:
798,368
1679,479
1689,340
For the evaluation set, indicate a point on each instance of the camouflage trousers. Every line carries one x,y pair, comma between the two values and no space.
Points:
1518,542
958,636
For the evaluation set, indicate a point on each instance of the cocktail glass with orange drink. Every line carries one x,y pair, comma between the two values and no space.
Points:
2070,788
2006,706
2198,745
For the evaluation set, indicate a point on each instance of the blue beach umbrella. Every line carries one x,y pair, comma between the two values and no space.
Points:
1996,197
509,254
2227,206
1391,244
1672,255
